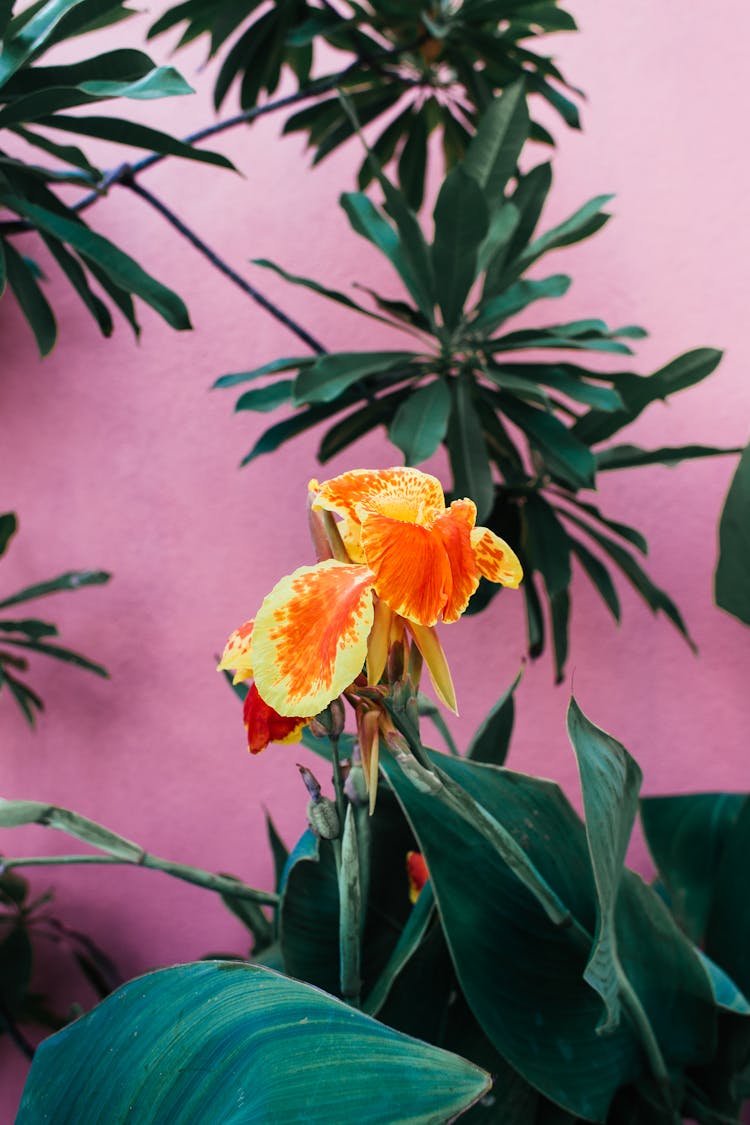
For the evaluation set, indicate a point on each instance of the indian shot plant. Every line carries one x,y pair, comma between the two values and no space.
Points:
447,936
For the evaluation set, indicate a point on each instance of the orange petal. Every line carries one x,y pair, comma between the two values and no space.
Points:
429,645
454,528
378,643
416,869
310,637
495,559
265,725
237,653
410,565
402,493
368,733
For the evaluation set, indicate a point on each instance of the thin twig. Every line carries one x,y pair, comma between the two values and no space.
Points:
222,266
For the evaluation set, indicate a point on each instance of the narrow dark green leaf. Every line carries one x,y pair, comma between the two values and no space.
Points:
279,851
23,42
528,199
132,133
610,782
534,615
412,163
30,627
472,474
326,378
77,278
290,363
732,581
429,710
461,223
494,248
559,612
266,398
122,269
547,544
598,574
631,456
27,700
360,422
276,435
145,1047
421,422
491,742
493,153
495,310
59,653
161,82
324,291
8,528
34,304
574,229
728,928
624,530
564,455
71,580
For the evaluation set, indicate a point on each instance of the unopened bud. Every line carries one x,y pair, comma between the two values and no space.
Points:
312,785
355,787
323,818
329,723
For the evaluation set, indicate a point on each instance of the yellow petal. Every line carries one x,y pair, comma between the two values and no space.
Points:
411,567
495,559
377,645
310,636
429,645
237,653
402,493
368,731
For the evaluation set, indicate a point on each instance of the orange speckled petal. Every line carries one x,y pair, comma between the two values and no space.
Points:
310,637
351,537
403,493
410,565
454,528
495,559
237,653
264,725
428,643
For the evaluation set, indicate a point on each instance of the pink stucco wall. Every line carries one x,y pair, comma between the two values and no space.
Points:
115,455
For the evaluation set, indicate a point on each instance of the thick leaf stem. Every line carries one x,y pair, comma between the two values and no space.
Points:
222,884
222,266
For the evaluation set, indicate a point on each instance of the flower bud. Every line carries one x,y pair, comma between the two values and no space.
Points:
355,787
311,782
329,723
323,818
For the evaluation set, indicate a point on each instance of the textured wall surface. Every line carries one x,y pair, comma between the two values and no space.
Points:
115,455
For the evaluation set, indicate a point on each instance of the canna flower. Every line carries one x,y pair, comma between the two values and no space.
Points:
412,563
417,873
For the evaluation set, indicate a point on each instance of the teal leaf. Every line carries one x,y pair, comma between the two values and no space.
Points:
228,1041
420,423
491,741
34,305
461,223
493,153
275,367
326,378
467,449
71,580
632,456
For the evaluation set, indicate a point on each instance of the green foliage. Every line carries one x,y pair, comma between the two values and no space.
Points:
34,99
227,1041
523,435
27,928
732,581
422,70
33,635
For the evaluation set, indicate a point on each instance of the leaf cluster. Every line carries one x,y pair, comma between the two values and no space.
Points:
524,434
30,635
415,69
36,160
27,927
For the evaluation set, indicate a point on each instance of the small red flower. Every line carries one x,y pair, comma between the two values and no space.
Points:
416,869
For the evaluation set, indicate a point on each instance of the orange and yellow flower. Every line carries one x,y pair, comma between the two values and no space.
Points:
412,563
417,874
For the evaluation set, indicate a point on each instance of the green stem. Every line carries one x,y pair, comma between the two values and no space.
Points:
338,781
221,884
350,912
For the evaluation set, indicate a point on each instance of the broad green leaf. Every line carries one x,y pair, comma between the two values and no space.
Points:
8,528
522,976
687,837
20,47
493,153
290,363
267,398
732,581
472,474
631,456
161,82
121,268
461,223
491,741
34,305
495,310
639,391
71,580
420,423
547,544
610,782
328,376
228,1041
309,914
132,133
